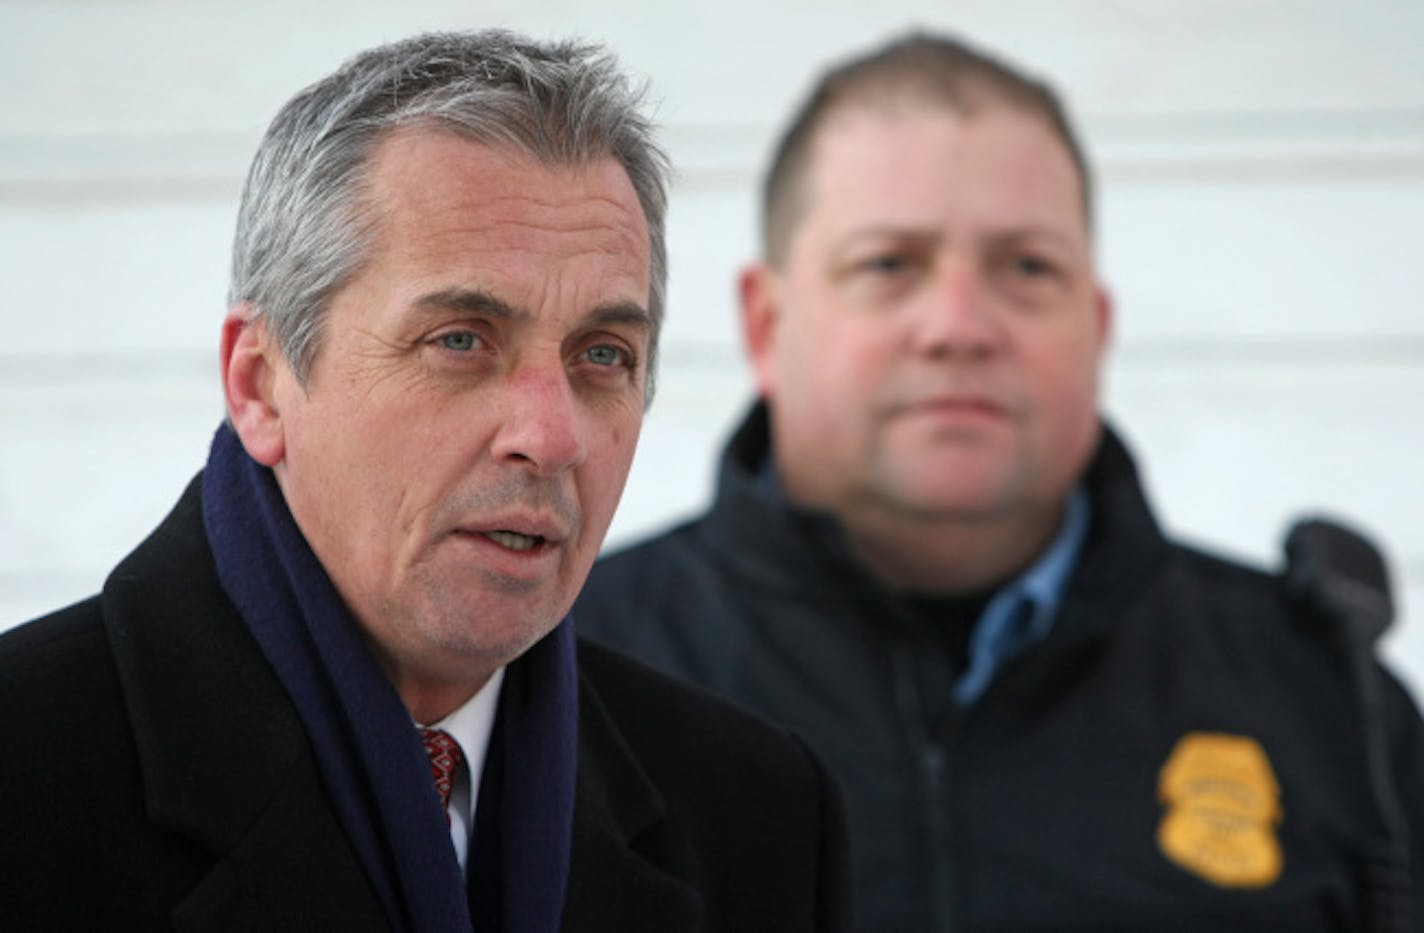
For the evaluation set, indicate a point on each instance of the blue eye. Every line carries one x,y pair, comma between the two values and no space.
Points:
604,355
460,341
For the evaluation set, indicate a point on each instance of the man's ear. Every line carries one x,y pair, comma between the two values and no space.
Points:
1105,316
251,363
757,289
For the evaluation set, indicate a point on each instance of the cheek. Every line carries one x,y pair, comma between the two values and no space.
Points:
836,357
623,437
1066,355
387,472
1065,381
605,472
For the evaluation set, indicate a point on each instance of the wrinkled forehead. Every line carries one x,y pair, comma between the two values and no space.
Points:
420,183
416,155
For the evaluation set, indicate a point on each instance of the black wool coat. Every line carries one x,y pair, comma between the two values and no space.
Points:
155,775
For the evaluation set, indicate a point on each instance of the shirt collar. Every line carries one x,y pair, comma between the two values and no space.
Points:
1023,611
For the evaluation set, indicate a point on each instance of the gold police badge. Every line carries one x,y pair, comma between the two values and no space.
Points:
1223,804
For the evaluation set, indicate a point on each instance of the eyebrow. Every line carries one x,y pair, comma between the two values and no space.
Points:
469,301
475,301
623,312
932,231
888,232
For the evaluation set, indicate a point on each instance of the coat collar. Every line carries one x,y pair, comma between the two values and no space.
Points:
215,734
223,759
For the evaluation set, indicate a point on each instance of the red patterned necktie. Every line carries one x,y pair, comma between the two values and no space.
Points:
445,760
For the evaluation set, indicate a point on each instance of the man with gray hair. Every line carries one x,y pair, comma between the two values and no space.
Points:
337,687
931,558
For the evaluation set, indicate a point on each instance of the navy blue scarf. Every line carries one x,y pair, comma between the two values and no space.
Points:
370,758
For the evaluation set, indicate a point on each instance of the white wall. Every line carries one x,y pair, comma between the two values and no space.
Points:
1261,167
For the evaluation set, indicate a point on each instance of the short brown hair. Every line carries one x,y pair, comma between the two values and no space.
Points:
919,67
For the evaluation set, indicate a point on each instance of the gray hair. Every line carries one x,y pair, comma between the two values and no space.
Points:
303,227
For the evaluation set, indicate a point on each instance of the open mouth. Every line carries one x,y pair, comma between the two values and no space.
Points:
514,541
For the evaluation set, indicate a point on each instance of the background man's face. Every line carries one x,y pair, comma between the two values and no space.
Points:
472,413
937,328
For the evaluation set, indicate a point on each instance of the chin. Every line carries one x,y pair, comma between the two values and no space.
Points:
484,647
951,508
957,481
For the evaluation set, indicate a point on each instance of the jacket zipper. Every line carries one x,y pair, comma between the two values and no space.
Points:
935,770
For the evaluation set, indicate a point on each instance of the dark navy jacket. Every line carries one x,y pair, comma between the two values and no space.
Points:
1048,803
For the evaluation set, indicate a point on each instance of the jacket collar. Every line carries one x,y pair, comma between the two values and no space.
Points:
811,555
753,518
1124,548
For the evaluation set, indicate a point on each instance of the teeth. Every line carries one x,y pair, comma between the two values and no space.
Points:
513,540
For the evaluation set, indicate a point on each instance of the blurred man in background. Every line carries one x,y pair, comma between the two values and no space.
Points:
930,557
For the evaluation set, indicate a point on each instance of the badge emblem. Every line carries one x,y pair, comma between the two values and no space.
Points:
1223,804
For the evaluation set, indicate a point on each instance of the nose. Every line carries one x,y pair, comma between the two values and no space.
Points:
955,317
542,428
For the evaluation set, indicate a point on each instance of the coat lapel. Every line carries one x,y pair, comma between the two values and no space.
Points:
620,878
224,761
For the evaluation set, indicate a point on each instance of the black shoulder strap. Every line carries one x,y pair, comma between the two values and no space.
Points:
1339,577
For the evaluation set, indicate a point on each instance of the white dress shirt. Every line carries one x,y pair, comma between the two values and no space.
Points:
470,725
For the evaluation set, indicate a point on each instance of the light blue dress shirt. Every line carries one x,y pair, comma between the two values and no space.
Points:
1022,613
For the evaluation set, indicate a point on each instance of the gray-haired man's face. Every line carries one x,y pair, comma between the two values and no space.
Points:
471,417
